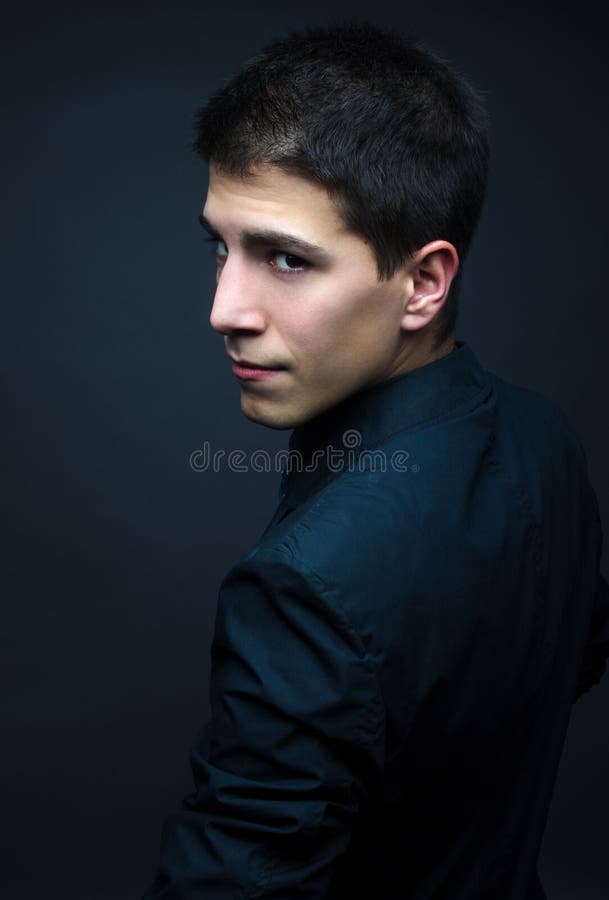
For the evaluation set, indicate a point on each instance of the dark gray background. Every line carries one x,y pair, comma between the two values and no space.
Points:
114,547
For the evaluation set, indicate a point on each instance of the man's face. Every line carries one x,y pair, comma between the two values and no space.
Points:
319,316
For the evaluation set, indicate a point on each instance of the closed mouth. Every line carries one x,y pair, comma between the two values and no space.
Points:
249,365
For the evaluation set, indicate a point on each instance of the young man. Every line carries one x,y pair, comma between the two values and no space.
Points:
394,663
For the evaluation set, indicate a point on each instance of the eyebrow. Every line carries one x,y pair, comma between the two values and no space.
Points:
269,238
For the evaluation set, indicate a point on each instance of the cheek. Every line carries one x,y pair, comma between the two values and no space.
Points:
332,334
330,325
310,326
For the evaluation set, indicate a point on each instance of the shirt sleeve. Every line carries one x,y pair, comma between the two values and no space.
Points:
292,749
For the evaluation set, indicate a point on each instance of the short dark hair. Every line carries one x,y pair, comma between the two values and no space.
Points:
397,138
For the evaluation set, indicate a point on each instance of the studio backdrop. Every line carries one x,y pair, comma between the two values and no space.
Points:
115,543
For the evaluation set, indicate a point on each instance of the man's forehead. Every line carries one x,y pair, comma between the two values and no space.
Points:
271,197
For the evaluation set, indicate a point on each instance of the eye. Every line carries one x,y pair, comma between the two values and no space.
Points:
220,250
218,247
287,263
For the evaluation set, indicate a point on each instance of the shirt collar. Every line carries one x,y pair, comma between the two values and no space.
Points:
369,417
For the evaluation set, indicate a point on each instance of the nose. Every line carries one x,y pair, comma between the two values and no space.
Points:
237,305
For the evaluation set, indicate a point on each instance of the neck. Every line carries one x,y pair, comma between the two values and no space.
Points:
420,353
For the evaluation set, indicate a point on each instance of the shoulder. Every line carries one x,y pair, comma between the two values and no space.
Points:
538,434
346,523
537,412
297,573
352,550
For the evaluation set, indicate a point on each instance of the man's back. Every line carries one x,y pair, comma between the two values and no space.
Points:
394,664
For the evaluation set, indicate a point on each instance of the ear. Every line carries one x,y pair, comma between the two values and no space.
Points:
431,271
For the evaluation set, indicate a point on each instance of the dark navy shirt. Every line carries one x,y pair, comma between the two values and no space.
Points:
394,664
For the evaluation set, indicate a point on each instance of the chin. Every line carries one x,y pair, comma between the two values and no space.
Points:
268,418
280,419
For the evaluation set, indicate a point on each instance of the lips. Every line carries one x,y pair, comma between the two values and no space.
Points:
246,364
254,372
